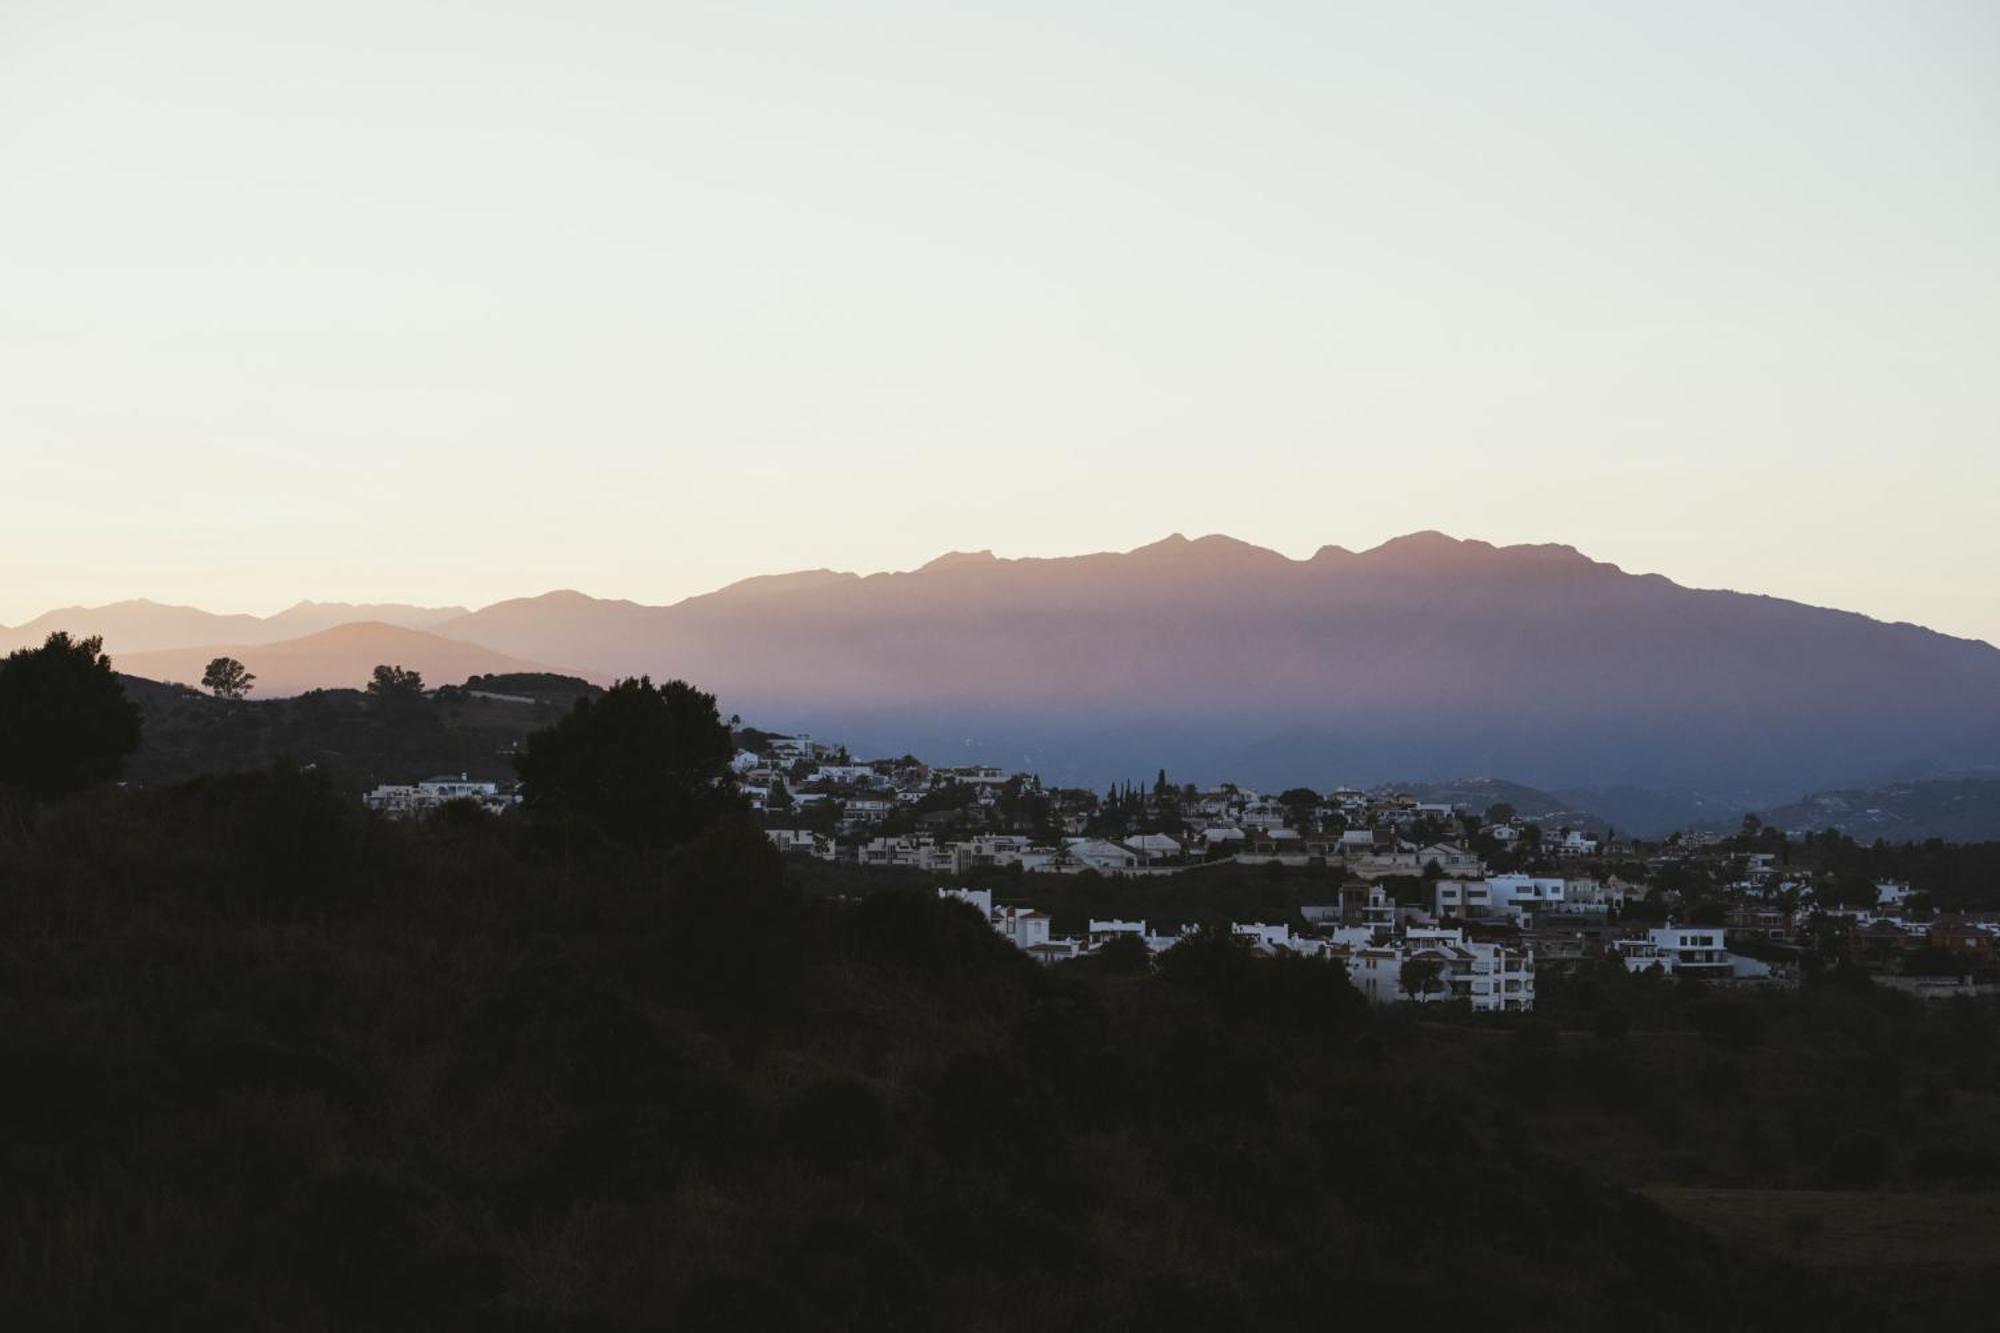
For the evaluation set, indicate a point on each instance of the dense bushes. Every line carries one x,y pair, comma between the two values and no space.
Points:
273,1065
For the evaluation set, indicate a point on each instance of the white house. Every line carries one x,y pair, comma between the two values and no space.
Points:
1520,895
1454,861
1575,843
800,840
1490,977
1463,898
1266,936
1025,926
398,802
1690,951
1097,854
980,899
1892,893
1153,847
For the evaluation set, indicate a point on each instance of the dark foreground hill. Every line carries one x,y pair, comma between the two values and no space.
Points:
271,1065
331,658
1224,660
355,738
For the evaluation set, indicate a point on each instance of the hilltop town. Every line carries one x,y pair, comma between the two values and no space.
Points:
1424,902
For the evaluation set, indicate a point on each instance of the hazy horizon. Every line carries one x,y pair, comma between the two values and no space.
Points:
275,612
408,303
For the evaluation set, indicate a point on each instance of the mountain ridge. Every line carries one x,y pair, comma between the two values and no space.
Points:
343,655
1223,659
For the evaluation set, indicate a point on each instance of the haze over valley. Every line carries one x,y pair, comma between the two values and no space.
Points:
1425,657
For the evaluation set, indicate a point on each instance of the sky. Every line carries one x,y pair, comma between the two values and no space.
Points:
447,302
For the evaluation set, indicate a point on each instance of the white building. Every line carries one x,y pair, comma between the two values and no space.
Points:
1454,861
400,802
1025,928
1153,847
1522,895
1490,977
800,840
1892,893
979,899
1097,854
1463,898
1266,937
1575,843
1679,951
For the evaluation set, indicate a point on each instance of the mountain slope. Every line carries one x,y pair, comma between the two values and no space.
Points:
343,656
1966,810
1221,658
135,626
1478,795
311,617
141,626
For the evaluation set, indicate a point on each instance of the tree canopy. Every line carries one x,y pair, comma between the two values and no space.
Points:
65,723
393,682
639,764
227,678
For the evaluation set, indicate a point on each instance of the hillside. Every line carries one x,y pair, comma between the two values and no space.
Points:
1650,704
141,626
1966,810
1223,659
345,655
431,1077
1477,795
355,740
136,626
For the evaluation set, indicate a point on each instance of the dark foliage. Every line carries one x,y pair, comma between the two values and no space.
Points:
358,739
395,682
637,765
65,723
270,1064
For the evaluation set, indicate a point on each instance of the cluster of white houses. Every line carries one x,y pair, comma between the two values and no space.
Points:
1476,929
1489,976
430,794
1392,954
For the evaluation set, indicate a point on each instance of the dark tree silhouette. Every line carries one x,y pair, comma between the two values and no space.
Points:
228,678
1420,977
393,682
65,723
642,764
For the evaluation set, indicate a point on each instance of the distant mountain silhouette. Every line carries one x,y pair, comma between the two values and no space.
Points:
1424,654
312,617
586,630
141,626
135,626
343,656
1220,659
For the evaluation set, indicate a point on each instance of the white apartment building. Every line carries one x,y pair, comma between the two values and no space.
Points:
1679,951
1490,977
402,801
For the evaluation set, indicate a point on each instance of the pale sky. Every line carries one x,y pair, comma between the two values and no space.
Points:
449,302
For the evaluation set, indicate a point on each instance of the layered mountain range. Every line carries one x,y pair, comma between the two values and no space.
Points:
1217,658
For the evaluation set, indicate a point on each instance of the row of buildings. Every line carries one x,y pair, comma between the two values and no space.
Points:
1388,964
